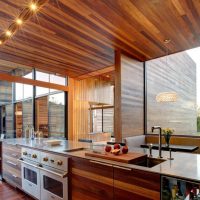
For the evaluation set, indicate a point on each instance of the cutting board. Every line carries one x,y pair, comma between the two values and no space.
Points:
130,157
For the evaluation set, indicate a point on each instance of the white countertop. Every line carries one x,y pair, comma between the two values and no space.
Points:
184,165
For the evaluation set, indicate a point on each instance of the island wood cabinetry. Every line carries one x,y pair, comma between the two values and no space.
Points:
90,180
11,167
135,184
93,180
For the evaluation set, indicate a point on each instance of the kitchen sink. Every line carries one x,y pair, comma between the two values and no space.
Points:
150,162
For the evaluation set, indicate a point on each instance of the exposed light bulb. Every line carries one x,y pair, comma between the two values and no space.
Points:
1,42
33,6
19,21
8,33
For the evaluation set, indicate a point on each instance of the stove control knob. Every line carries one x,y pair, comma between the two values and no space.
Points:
25,153
34,156
52,160
45,159
59,162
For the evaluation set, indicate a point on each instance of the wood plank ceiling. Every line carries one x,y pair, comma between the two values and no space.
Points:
76,37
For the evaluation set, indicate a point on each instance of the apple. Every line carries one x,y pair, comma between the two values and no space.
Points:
116,146
125,149
108,148
115,151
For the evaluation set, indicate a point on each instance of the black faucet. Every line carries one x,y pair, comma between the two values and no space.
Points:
160,139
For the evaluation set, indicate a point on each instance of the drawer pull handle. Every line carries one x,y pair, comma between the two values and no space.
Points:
11,163
14,176
14,154
100,163
125,168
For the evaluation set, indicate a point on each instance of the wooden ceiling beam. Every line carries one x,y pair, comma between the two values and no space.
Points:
18,79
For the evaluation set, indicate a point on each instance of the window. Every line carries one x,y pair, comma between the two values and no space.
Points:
57,79
177,73
97,120
19,91
41,91
51,78
102,119
28,91
41,76
17,102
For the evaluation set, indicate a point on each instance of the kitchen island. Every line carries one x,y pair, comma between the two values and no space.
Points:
95,178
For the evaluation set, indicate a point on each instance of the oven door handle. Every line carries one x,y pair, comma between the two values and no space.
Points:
52,172
28,163
44,169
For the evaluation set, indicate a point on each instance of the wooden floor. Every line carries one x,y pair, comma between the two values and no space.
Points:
7,192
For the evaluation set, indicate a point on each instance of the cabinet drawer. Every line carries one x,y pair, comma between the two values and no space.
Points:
12,178
11,162
136,184
11,150
12,175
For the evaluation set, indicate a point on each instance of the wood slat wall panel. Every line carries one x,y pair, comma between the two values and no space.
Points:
82,92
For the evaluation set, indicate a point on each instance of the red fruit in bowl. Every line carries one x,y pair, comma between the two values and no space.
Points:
108,148
115,151
125,149
116,146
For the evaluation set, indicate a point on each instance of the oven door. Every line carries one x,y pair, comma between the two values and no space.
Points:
53,186
31,180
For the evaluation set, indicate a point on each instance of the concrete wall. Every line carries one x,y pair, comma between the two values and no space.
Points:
175,73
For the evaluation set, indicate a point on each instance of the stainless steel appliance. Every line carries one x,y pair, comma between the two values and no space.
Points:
30,172
44,175
54,180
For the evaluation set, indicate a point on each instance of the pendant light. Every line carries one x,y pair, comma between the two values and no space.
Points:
167,96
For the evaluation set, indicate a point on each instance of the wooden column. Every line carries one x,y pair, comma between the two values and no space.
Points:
129,97
117,94
70,109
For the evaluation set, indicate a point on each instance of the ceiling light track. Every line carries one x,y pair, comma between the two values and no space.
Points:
26,13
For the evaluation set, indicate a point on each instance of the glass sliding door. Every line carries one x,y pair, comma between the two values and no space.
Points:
41,115
57,115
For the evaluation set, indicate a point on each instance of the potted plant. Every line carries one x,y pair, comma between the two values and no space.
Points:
167,132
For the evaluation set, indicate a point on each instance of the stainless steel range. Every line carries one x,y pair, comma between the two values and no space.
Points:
44,175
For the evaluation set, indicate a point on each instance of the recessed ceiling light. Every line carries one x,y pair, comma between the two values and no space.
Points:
33,6
167,41
19,21
8,33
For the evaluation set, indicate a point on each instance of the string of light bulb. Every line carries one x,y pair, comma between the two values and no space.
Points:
25,14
